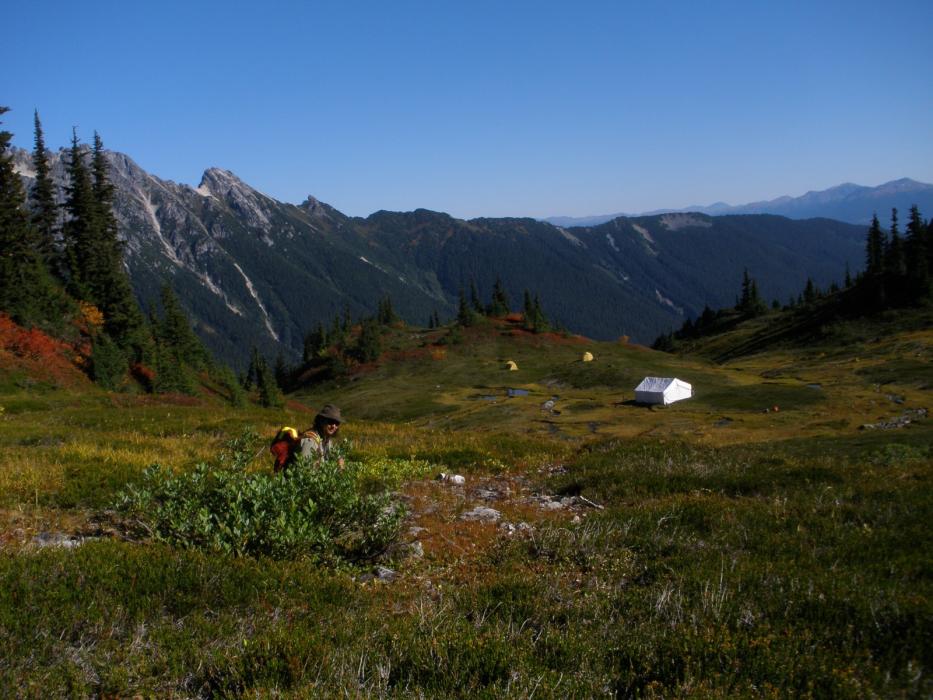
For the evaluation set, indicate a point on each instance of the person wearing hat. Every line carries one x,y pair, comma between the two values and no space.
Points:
316,440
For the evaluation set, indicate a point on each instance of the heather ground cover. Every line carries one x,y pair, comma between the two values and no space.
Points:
779,554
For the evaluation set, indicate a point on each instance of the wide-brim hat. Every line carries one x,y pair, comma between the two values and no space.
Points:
331,412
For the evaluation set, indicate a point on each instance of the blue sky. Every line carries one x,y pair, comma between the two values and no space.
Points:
486,108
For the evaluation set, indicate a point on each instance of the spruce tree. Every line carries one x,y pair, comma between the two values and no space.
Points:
810,292
111,284
875,246
500,300
464,313
369,343
315,342
79,228
894,262
528,309
745,300
540,323
45,212
26,289
474,298
174,330
918,272
270,395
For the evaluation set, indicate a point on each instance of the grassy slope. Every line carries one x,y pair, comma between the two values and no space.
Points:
738,551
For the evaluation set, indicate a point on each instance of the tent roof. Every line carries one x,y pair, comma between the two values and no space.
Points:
659,383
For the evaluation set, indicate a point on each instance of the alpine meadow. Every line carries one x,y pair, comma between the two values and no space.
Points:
440,429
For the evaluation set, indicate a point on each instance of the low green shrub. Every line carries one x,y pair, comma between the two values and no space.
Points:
324,511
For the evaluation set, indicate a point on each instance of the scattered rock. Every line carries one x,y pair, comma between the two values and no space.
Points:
59,539
414,530
510,529
487,494
723,422
384,573
901,421
482,514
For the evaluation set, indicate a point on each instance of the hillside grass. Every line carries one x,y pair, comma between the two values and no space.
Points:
729,551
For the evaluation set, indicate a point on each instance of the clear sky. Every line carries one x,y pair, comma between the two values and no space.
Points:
486,108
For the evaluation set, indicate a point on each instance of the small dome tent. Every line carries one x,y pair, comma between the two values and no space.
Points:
662,390
587,356
511,366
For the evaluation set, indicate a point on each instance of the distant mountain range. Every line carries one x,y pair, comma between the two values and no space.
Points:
847,202
253,271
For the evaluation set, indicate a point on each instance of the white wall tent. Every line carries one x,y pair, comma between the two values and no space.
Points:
663,390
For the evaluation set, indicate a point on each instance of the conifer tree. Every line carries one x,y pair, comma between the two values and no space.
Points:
386,314
810,292
474,298
500,300
369,343
875,246
918,272
79,228
282,372
464,313
111,284
745,300
174,331
315,343
26,290
540,323
270,395
528,308
894,262
45,212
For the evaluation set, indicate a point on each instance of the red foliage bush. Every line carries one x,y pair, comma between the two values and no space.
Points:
40,355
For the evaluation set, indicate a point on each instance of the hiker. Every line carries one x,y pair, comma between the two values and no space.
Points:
316,440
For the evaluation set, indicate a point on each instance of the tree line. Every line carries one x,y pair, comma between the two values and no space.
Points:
898,273
62,271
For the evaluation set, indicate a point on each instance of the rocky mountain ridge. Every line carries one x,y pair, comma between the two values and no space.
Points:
253,271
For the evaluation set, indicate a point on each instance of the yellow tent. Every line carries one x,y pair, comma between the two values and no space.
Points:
587,357
511,366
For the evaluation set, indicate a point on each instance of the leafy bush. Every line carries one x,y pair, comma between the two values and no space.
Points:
313,510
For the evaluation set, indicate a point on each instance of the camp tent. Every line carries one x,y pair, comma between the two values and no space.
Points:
587,357
663,390
511,366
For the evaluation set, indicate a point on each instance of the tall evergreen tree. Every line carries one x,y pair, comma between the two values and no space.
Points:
386,314
111,285
174,331
916,247
369,343
875,247
79,234
500,300
474,298
464,313
26,290
528,308
540,324
45,212
895,264
315,343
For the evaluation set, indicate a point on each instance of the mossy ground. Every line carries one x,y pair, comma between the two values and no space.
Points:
739,550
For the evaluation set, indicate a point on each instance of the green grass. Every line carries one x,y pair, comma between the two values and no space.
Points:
781,555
